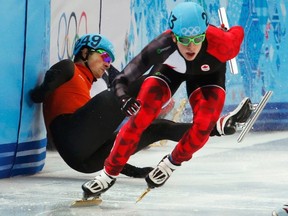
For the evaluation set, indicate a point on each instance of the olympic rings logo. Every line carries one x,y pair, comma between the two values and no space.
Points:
68,33
192,30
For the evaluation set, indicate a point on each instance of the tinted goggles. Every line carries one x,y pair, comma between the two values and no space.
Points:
105,56
187,40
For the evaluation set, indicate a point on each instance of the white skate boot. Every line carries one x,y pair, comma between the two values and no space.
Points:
98,185
158,176
93,189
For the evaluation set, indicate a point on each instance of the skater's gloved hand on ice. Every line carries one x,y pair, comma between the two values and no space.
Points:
129,105
136,172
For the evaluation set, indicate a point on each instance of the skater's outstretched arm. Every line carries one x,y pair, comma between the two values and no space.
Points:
57,75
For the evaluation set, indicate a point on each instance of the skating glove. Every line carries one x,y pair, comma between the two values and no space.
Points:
37,94
130,106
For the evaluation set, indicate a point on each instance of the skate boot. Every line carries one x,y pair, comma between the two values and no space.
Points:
281,212
158,176
226,125
94,188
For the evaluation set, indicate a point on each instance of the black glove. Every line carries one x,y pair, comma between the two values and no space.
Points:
136,172
130,106
112,73
37,95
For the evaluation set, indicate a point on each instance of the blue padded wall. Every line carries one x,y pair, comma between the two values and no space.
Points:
25,51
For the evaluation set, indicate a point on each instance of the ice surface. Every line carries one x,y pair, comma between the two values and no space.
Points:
224,178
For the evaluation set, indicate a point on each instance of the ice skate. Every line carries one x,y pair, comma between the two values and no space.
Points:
256,111
159,175
281,212
228,124
93,189
95,201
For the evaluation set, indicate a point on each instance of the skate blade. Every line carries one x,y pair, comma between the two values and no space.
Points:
254,116
143,194
86,203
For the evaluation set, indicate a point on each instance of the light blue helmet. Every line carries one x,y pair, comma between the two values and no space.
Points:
94,41
188,19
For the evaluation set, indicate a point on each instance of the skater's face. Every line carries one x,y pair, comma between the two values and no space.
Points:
98,61
189,47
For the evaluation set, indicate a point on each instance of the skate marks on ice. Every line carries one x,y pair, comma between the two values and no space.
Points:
251,180
45,196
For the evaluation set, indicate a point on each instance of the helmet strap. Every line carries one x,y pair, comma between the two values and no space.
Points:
86,62
85,59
